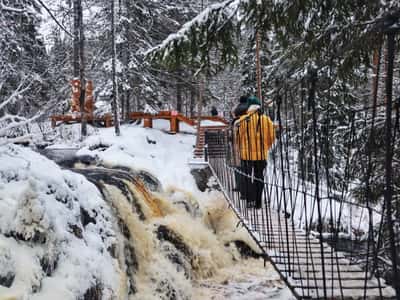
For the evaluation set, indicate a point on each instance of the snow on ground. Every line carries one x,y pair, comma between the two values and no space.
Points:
162,154
41,229
243,282
300,201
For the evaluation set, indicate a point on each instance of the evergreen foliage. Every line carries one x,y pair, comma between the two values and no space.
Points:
23,83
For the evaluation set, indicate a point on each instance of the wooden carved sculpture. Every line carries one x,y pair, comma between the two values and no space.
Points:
76,93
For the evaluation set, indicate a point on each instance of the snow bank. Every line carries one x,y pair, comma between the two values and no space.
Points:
55,230
162,154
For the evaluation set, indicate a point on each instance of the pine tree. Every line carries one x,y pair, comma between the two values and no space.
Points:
22,66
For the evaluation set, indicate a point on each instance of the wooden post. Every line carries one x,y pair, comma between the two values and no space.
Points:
148,122
107,121
174,122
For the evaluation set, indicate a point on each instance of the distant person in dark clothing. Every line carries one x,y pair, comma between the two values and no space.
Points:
239,110
214,111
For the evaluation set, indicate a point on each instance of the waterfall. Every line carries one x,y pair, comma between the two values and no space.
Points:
167,240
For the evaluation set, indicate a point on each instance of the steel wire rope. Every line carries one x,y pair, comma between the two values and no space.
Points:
388,195
278,204
302,141
333,253
261,184
281,145
253,183
313,79
296,129
266,219
276,230
345,182
293,205
268,212
309,246
278,200
369,150
268,205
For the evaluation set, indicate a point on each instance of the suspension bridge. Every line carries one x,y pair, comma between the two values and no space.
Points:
325,243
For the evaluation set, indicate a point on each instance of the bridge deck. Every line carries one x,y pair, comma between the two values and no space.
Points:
299,259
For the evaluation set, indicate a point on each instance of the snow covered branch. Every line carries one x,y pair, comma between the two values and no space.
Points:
19,139
14,122
18,91
214,28
9,122
11,9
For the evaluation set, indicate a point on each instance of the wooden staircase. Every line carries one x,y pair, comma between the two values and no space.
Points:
215,137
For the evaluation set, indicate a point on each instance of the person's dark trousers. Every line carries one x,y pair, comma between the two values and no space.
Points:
250,188
238,178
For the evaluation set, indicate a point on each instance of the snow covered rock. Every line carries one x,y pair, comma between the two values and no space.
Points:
55,231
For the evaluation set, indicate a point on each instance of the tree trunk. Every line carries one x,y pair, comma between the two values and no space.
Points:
114,77
82,72
178,92
128,104
192,99
186,102
79,62
125,78
122,103
75,62
129,45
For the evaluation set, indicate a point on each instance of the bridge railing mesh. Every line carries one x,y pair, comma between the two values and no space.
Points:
320,226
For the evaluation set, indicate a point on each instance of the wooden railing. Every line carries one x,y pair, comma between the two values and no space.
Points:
106,120
174,117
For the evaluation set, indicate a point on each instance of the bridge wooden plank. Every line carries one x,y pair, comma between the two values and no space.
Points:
297,256
348,294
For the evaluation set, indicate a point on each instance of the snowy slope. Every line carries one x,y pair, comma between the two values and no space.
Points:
156,151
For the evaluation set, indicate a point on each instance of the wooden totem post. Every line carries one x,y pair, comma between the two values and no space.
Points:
89,101
76,93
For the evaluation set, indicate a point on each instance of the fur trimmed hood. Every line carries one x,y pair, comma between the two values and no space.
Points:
253,107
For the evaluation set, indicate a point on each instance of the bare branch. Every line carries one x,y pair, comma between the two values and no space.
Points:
54,18
16,93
